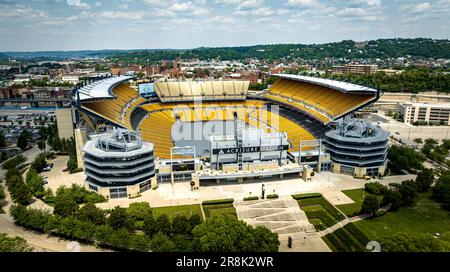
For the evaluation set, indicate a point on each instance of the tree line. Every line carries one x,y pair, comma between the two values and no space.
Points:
382,49
137,229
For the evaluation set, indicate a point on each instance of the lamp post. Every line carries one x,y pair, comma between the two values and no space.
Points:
263,191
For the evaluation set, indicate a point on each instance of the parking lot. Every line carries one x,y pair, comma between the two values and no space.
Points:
57,178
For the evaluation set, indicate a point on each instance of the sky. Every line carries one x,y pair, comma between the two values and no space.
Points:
38,25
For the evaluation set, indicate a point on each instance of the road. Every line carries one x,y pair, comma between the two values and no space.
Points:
41,242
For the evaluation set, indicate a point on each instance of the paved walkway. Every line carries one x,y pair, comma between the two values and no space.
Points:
346,221
282,216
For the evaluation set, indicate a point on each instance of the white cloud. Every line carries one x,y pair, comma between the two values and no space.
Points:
248,4
78,4
307,3
121,15
181,6
263,11
152,2
358,14
422,7
228,2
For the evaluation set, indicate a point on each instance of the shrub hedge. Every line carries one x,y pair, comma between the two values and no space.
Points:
218,201
272,196
305,196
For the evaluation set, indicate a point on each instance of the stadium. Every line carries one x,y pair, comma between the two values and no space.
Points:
216,131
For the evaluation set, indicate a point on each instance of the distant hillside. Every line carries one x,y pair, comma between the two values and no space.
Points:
64,54
383,49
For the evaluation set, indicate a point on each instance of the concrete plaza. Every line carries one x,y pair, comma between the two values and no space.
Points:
329,184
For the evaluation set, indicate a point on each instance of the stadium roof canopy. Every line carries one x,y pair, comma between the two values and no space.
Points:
101,88
333,84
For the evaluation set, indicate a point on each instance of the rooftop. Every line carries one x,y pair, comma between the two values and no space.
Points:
101,88
357,129
333,84
115,143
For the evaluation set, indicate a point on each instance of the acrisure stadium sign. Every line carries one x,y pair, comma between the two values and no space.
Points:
249,149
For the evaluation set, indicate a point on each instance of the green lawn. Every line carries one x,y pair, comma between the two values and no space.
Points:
320,212
226,208
347,239
356,195
426,217
172,211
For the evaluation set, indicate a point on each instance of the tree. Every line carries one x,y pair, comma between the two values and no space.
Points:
161,243
225,233
19,190
441,191
446,144
41,145
408,189
395,198
138,211
139,243
194,220
34,181
30,218
163,224
72,164
14,162
403,242
2,193
370,205
55,143
120,238
150,226
404,158
375,188
65,205
2,139
418,141
13,244
39,163
180,224
183,243
424,180
118,219
90,213
22,140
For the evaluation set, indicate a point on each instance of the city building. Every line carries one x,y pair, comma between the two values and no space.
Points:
360,69
421,113
357,148
118,164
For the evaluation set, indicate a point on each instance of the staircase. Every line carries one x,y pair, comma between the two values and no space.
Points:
282,216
